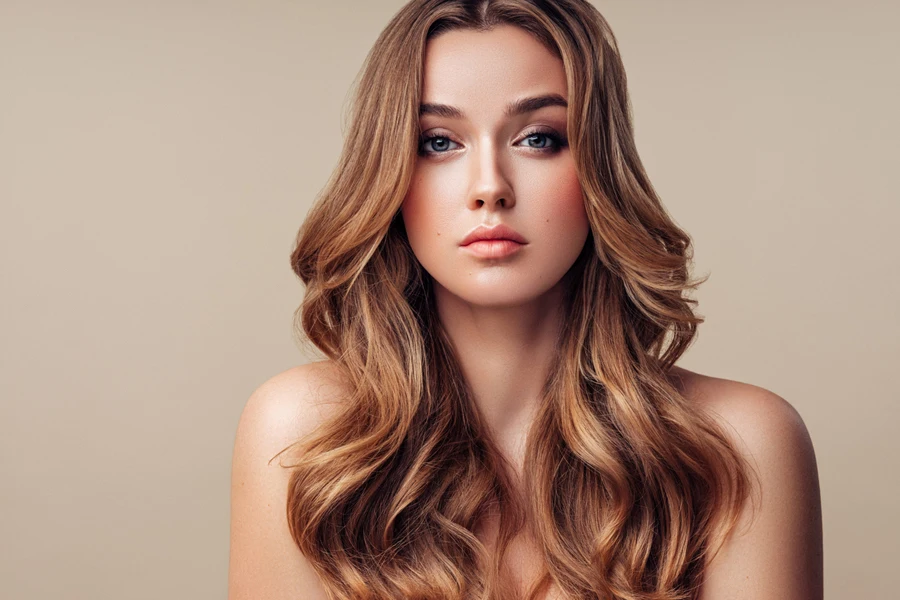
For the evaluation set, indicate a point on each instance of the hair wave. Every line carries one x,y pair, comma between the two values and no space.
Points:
629,489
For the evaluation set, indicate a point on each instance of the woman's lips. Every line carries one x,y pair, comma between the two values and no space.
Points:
500,231
496,248
498,241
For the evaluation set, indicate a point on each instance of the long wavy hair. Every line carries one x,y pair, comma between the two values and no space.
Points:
629,489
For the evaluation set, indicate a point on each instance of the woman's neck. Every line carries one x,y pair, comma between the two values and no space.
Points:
505,354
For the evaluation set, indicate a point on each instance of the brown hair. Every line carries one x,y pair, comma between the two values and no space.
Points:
629,488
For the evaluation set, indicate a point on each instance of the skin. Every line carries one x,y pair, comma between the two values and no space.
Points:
501,316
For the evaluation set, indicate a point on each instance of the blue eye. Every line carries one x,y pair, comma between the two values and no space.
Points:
541,141
544,141
439,144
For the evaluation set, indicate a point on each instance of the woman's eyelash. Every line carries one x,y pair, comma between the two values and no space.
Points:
558,142
430,138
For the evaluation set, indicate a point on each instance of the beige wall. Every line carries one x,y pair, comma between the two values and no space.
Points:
157,157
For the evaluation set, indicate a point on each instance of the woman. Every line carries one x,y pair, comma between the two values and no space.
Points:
502,300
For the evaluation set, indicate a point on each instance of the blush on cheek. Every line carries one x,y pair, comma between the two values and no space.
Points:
421,222
413,202
569,205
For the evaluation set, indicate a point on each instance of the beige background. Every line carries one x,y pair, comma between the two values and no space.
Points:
157,157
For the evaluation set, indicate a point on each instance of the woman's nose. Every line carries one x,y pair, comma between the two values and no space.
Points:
491,188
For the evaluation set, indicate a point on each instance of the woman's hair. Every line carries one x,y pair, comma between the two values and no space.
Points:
629,489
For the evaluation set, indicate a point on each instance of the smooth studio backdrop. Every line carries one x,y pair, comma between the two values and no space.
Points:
157,158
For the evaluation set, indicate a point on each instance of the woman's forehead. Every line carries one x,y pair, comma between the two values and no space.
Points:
501,64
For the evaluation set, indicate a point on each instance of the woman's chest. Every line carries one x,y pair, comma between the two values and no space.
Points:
522,564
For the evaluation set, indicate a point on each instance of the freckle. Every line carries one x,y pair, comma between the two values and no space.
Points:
548,220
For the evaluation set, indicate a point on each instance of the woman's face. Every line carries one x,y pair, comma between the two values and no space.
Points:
494,151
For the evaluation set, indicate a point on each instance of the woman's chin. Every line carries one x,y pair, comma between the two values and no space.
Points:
497,295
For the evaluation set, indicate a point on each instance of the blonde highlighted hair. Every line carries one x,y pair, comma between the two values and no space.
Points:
629,489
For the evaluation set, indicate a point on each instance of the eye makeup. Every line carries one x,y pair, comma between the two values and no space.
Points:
440,144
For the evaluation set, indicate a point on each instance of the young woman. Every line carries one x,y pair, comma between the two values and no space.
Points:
502,299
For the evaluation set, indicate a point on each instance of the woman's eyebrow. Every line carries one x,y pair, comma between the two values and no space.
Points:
524,105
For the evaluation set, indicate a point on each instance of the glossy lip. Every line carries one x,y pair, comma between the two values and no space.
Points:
498,232
493,248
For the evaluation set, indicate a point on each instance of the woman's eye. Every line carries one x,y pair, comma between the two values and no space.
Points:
542,141
539,141
437,143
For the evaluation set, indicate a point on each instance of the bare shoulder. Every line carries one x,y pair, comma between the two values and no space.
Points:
745,409
293,403
264,561
776,549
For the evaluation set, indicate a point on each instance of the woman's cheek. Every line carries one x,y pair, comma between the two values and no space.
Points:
425,216
565,210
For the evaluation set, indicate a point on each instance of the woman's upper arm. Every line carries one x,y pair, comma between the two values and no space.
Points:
264,561
776,552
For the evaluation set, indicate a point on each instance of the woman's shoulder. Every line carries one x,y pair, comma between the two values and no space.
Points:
295,401
755,418
784,539
264,561
321,379
749,410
